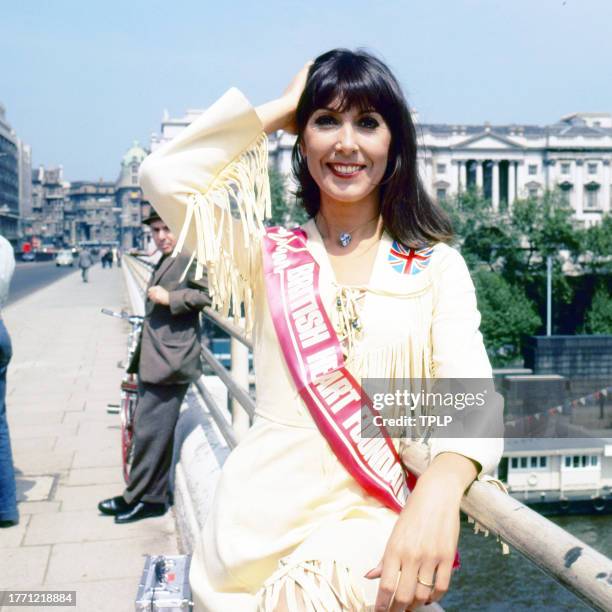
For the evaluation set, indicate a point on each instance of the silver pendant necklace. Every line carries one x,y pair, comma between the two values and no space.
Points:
344,238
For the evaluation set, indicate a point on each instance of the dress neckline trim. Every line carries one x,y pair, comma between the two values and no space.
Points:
316,246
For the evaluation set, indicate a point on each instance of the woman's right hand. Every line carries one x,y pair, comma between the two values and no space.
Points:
293,93
279,114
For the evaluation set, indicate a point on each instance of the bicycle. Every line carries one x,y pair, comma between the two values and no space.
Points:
129,391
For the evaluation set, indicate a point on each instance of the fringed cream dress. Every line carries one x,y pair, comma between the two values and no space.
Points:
286,515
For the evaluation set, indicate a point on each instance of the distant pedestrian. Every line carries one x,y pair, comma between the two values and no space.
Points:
8,495
119,256
85,262
107,259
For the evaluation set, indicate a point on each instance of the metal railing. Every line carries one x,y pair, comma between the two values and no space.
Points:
576,566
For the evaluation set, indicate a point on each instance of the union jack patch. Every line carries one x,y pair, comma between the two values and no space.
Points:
405,260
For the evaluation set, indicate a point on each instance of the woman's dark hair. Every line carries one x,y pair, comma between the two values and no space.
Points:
357,79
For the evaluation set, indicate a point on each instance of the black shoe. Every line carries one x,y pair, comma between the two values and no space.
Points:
114,506
141,510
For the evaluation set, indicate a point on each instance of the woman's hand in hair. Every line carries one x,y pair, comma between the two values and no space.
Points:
279,114
424,539
293,93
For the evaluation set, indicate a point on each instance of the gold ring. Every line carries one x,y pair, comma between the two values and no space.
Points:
427,584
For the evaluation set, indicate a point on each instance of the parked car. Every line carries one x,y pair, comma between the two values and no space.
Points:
64,258
29,256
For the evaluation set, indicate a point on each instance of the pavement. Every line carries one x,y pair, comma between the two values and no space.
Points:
66,449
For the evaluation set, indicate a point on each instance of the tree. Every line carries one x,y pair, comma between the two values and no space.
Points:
485,237
507,316
516,244
283,213
596,242
543,226
598,319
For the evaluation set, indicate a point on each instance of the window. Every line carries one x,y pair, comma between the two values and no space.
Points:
565,168
592,168
528,463
592,197
533,192
533,169
441,168
581,461
565,195
441,194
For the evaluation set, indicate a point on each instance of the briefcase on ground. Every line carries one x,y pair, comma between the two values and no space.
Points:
164,584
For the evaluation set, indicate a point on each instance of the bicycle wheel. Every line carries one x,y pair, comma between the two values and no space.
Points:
129,397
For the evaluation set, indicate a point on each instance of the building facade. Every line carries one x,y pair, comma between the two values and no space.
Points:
25,180
46,223
61,213
128,197
9,180
503,162
93,216
507,162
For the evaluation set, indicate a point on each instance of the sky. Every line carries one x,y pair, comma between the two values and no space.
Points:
81,80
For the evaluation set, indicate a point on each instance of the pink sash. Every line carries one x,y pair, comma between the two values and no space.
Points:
314,358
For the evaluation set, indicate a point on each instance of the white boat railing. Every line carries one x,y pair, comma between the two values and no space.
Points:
578,567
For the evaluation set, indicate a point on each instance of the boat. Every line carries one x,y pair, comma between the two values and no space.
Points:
558,476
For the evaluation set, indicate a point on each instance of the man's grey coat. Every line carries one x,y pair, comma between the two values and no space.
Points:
169,349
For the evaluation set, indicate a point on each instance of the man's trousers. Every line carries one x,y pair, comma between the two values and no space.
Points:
156,415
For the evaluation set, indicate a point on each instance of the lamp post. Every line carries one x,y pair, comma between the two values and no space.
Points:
548,295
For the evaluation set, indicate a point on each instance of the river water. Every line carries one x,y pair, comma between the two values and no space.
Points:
490,581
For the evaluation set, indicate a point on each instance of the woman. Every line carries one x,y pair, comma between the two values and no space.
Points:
297,523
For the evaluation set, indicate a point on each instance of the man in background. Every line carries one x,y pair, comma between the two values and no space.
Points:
8,495
85,262
167,360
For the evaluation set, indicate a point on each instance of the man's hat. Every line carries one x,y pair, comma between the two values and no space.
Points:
153,216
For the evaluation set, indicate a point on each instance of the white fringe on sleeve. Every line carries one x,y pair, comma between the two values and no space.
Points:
238,200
